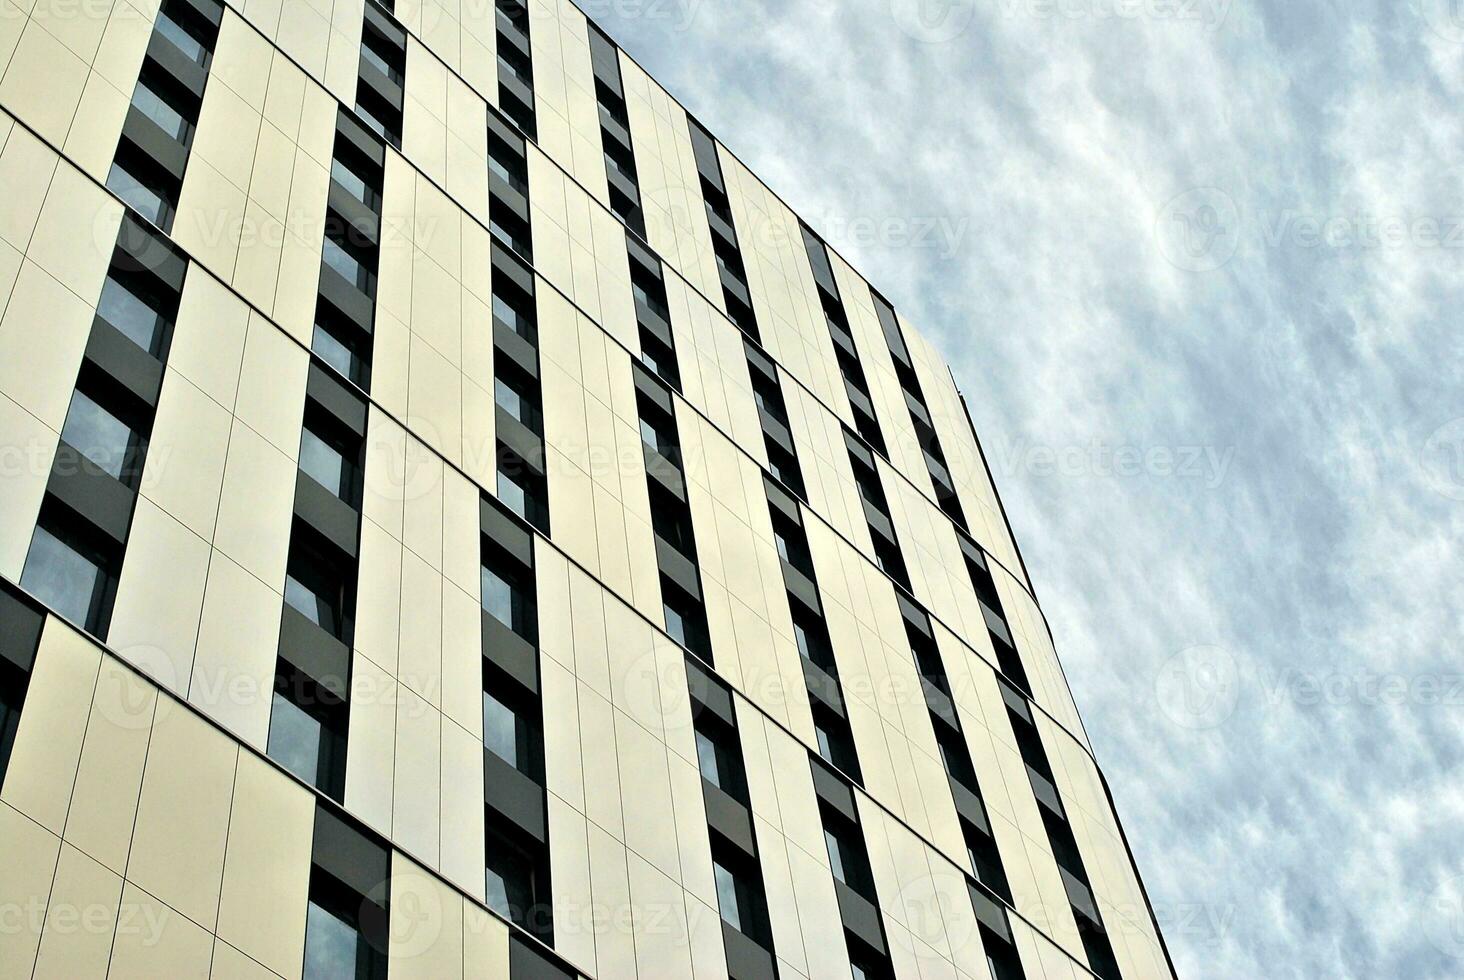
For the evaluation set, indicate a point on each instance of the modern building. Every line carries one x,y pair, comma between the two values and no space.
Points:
456,521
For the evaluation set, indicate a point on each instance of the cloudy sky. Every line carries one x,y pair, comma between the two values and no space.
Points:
1197,264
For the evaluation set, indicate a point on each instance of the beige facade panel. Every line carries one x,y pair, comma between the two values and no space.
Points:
182,827
267,867
81,918
109,770
43,760
238,636
30,853
30,447
159,603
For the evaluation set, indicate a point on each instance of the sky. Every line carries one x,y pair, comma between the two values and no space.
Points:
1198,266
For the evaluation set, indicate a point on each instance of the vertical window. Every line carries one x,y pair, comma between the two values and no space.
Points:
105,428
508,592
338,945
316,584
719,757
13,683
136,307
70,569
517,880
511,722
330,454
740,897
307,730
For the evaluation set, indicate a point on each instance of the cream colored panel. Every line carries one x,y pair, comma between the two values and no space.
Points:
461,551
27,166
28,447
549,226
424,115
387,478
38,367
241,61
780,281
183,815
422,511
267,867
109,775
462,807
299,275
168,944
467,148
43,83
394,268
485,945
207,346
76,232
238,638
29,855
462,659
81,916
563,764
230,964
184,472
587,612
569,858
47,747
661,949
818,912
671,197
304,34
556,635
642,761
434,400
272,386
426,924
371,748
879,372
417,788
378,596
704,936
419,666
797,805
97,124
123,44
782,902
602,762
256,505
212,215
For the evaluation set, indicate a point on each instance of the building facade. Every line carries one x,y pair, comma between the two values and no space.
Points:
456,521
